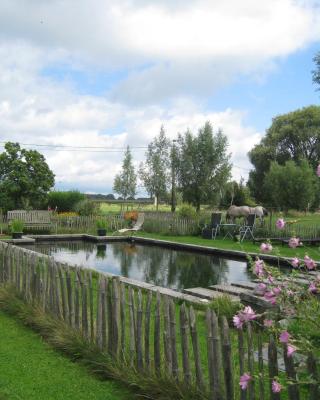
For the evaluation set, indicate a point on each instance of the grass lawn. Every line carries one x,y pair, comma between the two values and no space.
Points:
31,370
246,246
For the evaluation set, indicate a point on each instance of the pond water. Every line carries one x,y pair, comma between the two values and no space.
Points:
160,266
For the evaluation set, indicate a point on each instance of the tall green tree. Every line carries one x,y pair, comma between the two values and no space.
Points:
125,183
293,136
25,178
291,186
316,72
203,167
155,173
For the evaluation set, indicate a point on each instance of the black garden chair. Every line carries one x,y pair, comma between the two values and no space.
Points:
211,231
247,228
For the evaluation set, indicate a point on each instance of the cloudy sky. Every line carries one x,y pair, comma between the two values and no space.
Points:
107,73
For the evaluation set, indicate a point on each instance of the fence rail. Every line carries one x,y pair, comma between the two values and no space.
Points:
151,334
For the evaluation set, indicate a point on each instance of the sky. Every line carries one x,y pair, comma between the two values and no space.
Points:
98,75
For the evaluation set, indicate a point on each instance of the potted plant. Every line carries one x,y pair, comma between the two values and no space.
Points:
17,228
102,227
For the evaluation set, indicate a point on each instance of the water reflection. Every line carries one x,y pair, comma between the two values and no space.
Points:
159,266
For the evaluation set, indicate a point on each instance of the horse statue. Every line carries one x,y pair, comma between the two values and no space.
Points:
234,212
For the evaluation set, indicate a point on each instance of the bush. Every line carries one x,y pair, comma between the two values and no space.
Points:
85,208
64,201
17,226
187,211
102,224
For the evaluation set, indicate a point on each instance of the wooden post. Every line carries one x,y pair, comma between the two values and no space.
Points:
76,303
175,366
85,328
227,359
260,366
139,333
63,293
132,333
293,389
241,351
91,307
185,345
314,392
157,353
147,330
217,363
115,315
273,367
196,351
109,287
166,335
251,389
123,319
70,298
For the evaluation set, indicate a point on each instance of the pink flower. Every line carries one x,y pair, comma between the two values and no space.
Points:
280,224
276,387
290,350
310,263
268,323
294,242
295,262
265,247
270,297
244,381
276,290
284,337
260,289
237,322
259,267
312,288
270,278
245,315
318,170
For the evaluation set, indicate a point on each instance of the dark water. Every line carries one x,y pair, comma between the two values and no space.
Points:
160,266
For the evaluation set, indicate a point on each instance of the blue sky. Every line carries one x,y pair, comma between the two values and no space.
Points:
113,79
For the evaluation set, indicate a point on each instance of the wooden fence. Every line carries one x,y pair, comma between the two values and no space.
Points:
152,335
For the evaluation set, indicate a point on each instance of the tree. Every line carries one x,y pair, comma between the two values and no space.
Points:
293,136
125,183
291,185
154,173
203,167
237,194
316,72
25,178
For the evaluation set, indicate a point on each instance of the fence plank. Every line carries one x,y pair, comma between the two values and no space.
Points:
241,352
123,319
157,327
196,349
115,315
139,332
147,330
293,389
166,335
227,359
174,356
132,342
260,366
185,345
314,392
273,367
251,386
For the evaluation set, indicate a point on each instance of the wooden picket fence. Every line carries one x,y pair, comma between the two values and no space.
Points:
154,336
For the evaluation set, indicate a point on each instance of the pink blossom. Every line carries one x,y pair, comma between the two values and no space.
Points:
294,242
259,267
268,323
248,314
237,322
280,224
260,289
276,290
284,337
265,247
290,350
276,387
295,262
318,170
270,278
312,288
310,263
244,381
270,297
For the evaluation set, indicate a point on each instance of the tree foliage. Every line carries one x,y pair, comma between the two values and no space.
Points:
154,173
291,185
237,194
25,178
293,136
64,200
203,165
125,183
316,72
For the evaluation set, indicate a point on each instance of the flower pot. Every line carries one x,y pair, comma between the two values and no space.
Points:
17,235
102,232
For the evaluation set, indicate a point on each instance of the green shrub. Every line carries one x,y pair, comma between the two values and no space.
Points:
85,207
187,211
64,201
17,225
102,224
224,306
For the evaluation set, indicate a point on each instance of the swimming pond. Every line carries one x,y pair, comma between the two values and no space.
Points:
174,269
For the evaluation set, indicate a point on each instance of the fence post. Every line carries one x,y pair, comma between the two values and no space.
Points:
166,334
185,345
175,366
251,389
273,367
195,347
293,389
312,370
226,356
147,330
157,327
139,332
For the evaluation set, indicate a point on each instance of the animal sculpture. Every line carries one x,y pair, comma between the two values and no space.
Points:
234,212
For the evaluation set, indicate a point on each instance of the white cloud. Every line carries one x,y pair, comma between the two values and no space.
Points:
175,54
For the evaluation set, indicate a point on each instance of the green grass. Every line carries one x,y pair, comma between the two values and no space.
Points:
245,246
31,369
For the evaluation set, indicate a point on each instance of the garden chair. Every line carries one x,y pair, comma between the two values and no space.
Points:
136,227
212,231
248,227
